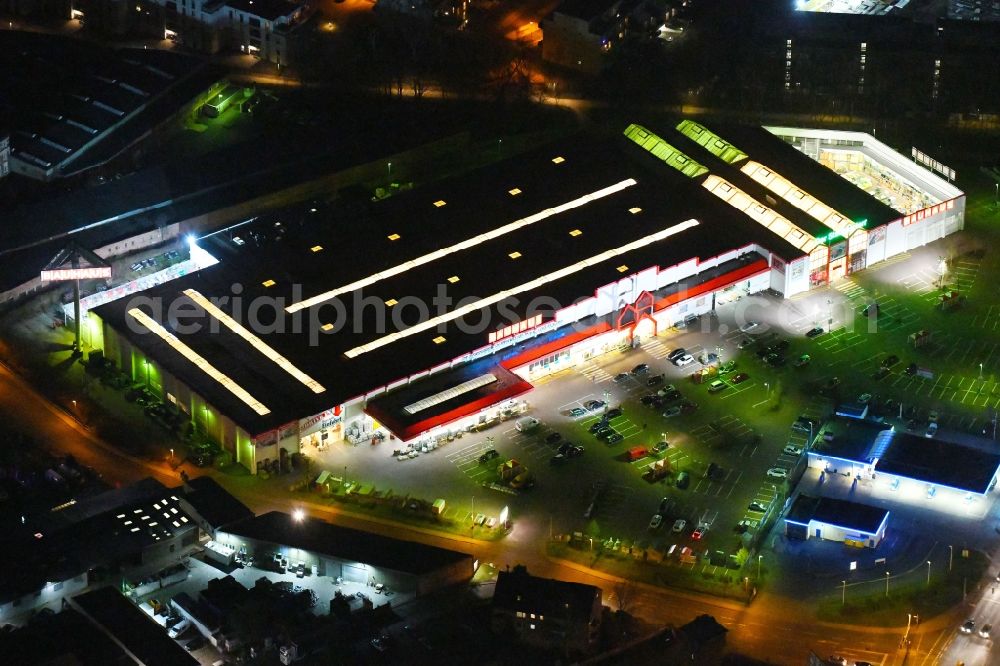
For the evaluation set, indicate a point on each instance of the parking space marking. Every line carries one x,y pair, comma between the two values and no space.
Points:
594,372
655,348
734,390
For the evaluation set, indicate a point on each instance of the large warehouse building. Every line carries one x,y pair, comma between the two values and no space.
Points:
437,307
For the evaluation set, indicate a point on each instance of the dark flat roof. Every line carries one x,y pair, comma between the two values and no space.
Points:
939,462
214,503
841,513
474,203
849,439
46,79
348,544
132,628
64,638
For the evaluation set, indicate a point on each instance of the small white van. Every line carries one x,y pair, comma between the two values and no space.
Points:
527,424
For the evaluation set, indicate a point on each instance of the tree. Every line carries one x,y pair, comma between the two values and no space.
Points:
624,593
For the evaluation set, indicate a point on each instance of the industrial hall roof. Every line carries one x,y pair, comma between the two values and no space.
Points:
346,284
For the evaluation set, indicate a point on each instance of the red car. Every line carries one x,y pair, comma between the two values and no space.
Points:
740,378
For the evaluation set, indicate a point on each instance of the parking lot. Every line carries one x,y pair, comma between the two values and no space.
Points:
740,430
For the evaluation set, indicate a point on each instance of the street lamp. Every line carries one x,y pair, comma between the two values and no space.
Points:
171,455
145,364
843,592
390,169
928,573
298,515
951,552
887,584
767,388
759,558
980,372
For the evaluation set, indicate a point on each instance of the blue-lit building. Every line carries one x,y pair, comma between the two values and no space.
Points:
909,465
851,523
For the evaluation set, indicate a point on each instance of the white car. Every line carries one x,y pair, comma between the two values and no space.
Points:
672,411
792,450
655,521
749,326
865,398
931,430
687,359
679,526
778,473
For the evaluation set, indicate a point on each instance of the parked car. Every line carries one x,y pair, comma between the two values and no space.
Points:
890,361
778,473
597,426
665,504
931,430
655,380
666,389
640,369
814,332
740,378
553,438
660,447
688,407
744,343
716,386
558,459
911,369
615,437
880,373
749,326
792,450
968,626
865,398
621,377
649,398
488,456
593,405
179,628
673,394
683,480
679,526
655,521
802,361
672,411
577,412
614,412
757,507
984,631
676,354
687,359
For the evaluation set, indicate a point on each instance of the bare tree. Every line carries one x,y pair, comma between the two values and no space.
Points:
624,593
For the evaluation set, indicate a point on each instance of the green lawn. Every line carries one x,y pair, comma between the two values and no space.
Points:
909,594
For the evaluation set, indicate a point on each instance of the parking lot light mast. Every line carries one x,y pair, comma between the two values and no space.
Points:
887,584
928,573
843,592
759,558
980,372
951,552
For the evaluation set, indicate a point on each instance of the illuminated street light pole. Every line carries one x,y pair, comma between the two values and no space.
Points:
951,552
980,372
843,592
887,584
759,558
390,170
928,573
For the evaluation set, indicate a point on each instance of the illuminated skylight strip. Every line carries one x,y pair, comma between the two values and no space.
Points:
458,313
664,151
463,245
711,141
198,360
760,213
254,341
799,198
448,394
